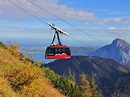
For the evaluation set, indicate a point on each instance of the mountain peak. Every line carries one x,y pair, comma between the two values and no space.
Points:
119,42
119,50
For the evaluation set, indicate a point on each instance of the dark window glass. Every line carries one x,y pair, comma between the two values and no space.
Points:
50,51
56,50
67,51
63,50
59,50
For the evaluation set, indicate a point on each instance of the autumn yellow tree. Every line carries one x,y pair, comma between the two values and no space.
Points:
85,86
93,87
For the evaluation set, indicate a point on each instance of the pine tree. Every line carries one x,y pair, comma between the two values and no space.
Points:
93,87
71,75
85,86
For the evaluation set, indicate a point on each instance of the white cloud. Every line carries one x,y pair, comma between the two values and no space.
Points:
128,27
117,21
111,28
8,10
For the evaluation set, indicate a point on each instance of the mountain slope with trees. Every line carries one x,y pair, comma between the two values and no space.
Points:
109,74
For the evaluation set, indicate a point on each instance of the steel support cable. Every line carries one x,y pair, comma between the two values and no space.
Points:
81,42
66,22
26,11
45,22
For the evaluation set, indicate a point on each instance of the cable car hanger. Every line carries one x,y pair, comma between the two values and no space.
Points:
57,32
58,51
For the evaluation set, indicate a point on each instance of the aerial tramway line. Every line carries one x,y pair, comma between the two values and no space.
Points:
57,51
53,51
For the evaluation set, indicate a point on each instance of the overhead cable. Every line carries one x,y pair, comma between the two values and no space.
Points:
67,22
45,22
26,11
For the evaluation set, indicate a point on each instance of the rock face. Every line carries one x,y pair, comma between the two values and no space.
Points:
119,50
109,74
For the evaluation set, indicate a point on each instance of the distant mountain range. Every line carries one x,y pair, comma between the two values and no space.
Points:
38,52
81,51
110,76
119,50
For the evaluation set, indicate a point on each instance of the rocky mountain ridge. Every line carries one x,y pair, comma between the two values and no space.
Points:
119,50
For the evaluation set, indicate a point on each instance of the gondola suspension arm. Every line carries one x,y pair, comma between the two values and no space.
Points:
57,32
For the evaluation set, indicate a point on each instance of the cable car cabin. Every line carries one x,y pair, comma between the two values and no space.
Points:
57,52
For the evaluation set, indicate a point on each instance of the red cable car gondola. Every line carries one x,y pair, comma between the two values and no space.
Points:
57,51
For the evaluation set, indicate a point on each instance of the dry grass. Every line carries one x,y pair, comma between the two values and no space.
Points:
21,78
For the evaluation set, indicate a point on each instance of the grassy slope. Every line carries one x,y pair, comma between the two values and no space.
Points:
21,78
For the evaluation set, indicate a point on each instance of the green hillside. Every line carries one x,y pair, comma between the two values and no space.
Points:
19,77
110,76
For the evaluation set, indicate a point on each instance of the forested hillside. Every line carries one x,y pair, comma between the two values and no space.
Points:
112,78
19,77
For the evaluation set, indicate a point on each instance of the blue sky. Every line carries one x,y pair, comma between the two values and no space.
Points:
104,20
